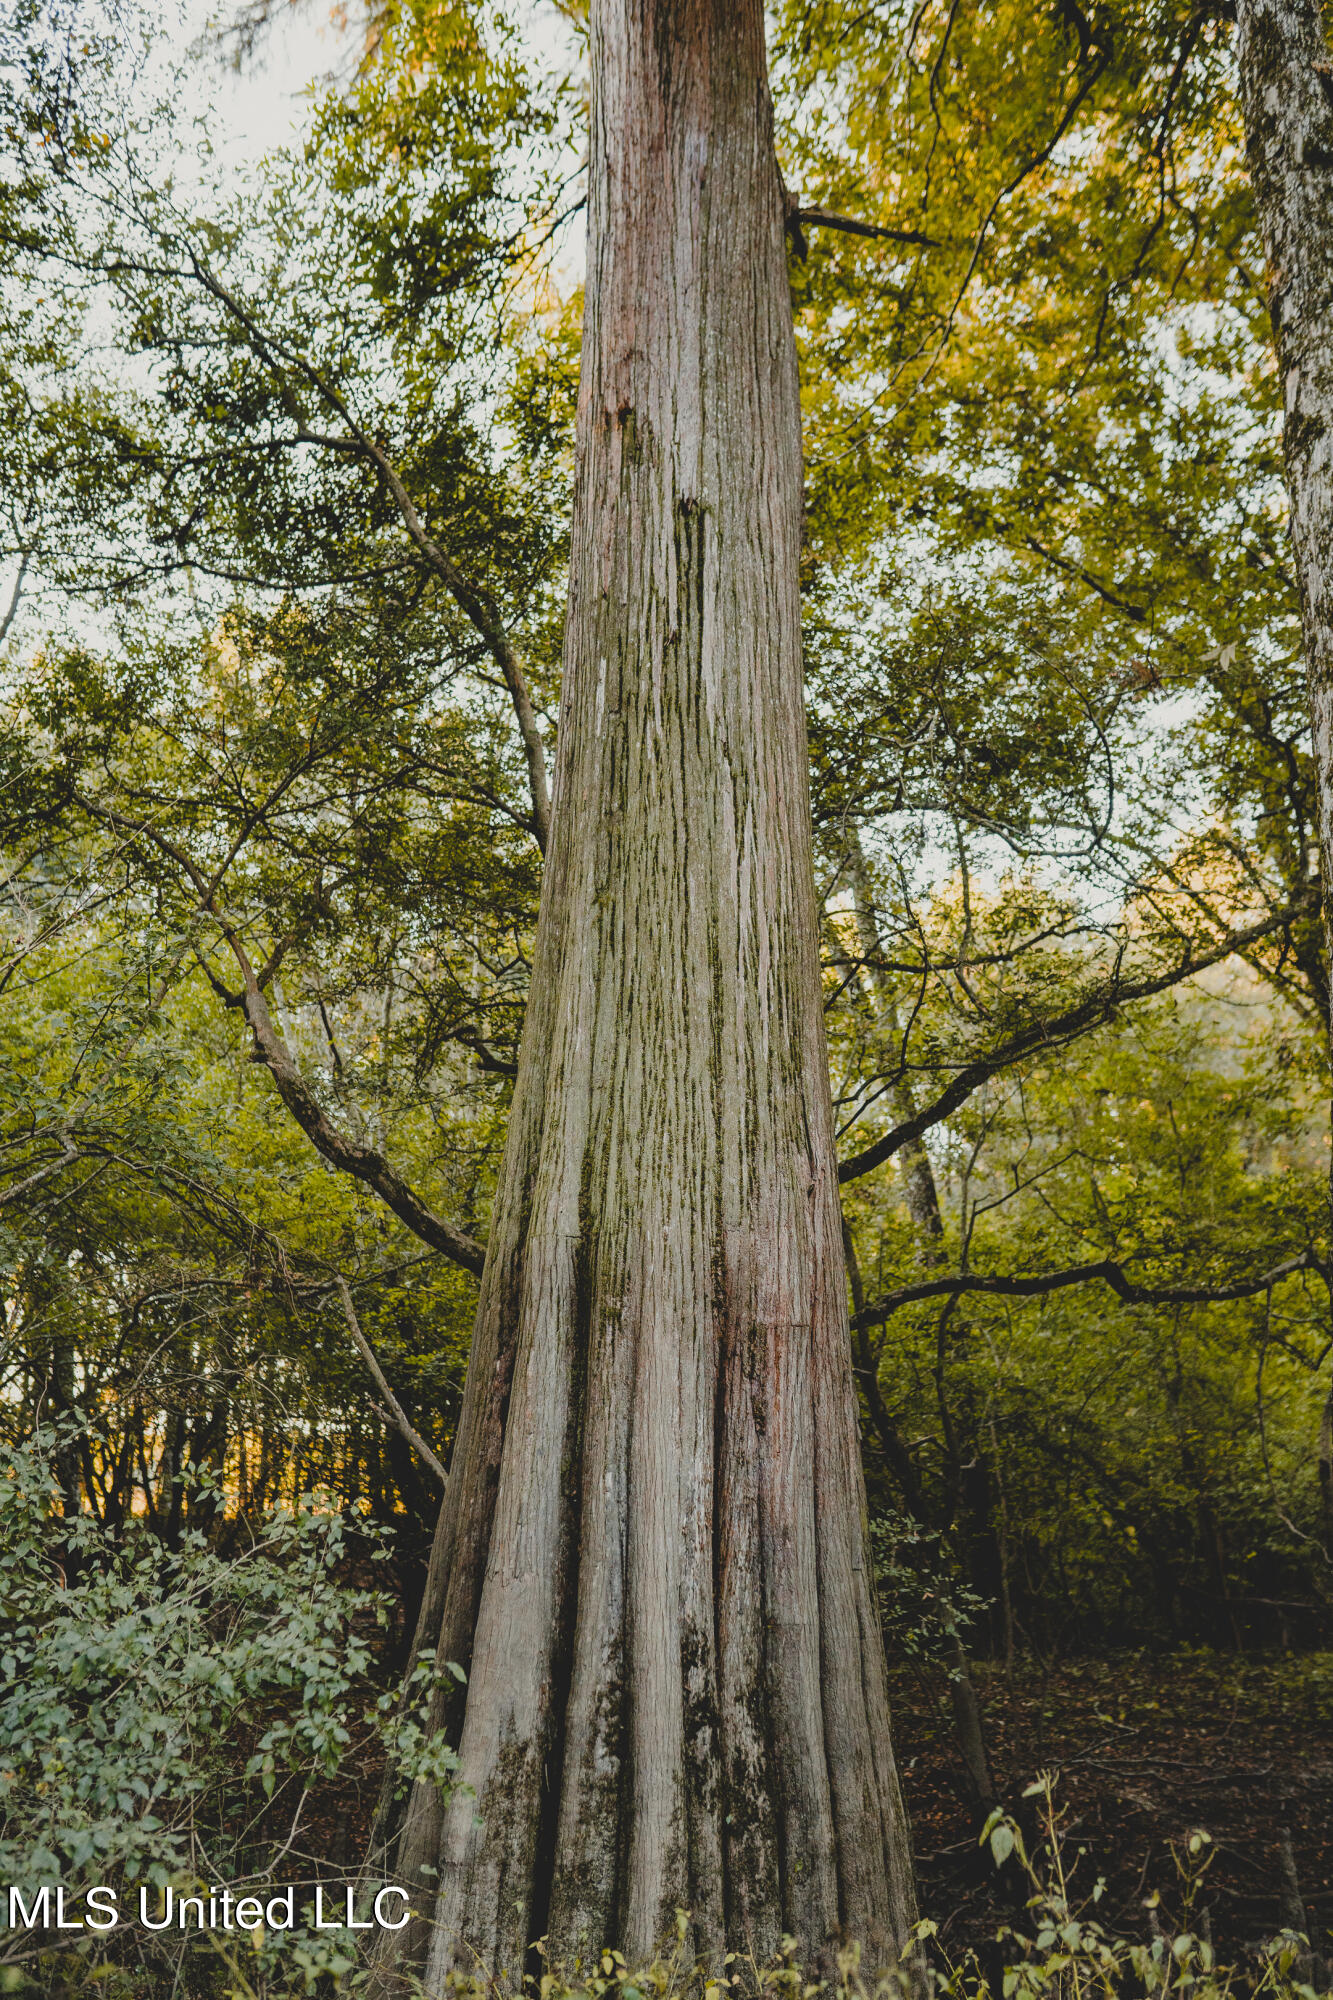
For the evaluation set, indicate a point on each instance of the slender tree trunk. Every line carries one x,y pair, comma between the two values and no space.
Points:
923,1205
652,1557
895,1451
172,1493
1286,82
969,1727
1286,79
1325,1475
919,1185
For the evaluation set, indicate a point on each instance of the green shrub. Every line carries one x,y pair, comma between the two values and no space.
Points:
165,1714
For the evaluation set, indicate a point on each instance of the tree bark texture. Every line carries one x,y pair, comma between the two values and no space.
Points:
652,1556
1286,79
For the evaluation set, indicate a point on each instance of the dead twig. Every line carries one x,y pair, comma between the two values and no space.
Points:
367,1353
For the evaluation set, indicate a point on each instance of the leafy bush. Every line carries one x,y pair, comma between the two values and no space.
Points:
164,1714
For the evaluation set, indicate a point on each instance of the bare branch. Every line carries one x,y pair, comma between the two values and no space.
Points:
46,1173
367,1353
363,1163
15,597
1093,1010
799,218
1106,1272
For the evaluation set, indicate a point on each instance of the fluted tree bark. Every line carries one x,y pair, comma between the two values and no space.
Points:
652,1557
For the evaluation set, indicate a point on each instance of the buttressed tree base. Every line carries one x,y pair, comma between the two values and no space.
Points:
652,1557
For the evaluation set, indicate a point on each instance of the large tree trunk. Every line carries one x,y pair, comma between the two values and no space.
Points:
652,1557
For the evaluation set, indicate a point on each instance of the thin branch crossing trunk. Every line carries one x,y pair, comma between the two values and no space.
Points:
652,1556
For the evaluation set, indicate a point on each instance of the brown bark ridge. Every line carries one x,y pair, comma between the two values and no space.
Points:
652,1556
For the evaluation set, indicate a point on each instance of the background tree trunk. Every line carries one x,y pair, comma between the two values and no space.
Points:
1286,81
923,1196
652,1558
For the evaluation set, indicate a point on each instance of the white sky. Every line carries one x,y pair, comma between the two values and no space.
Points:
262,105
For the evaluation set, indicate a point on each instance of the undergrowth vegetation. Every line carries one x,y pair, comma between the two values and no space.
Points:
170,1721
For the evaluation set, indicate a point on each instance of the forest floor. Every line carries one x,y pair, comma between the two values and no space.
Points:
1146,1750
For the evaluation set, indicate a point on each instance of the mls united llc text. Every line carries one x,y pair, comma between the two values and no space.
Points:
54,1908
